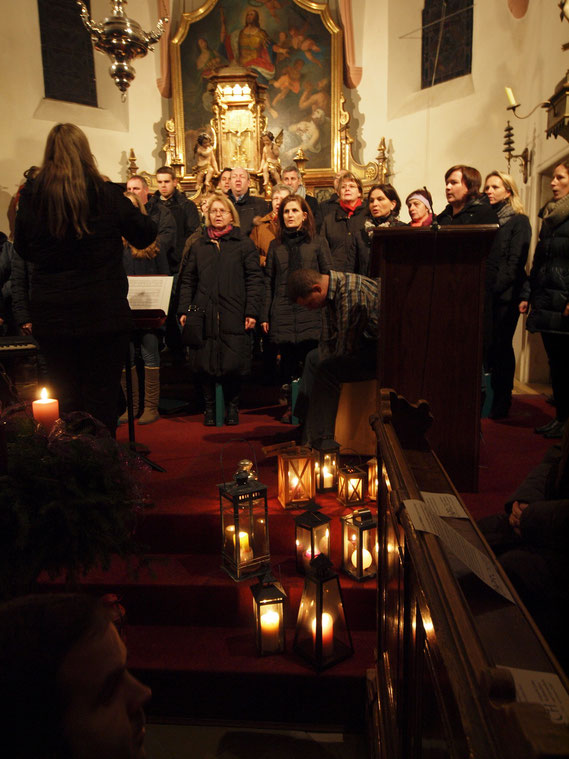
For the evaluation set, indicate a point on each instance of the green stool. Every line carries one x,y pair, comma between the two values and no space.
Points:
219,405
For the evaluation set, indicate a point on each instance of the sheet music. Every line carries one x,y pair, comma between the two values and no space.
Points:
444,504
543,688
149,292
426,520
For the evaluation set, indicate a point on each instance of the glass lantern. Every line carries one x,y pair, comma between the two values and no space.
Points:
326,465
351,485
268,607
322,635
296,484
312,532
244,524
372,479
359,544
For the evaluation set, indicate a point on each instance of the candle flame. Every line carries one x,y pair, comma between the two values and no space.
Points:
43,394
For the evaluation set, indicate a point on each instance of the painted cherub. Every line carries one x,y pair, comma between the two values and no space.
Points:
270,166
206,164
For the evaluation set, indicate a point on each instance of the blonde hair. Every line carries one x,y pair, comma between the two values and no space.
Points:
224,200
152,250
509,184
61,184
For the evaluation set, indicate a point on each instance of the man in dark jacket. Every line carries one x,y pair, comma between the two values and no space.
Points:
160,215
465,206
293,179
248,206
187,221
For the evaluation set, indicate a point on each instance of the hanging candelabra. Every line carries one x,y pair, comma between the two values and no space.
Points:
122,39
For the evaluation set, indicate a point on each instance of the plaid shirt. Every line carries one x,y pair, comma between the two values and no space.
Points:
350,315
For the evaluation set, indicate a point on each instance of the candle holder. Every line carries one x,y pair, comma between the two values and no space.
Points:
244,523
268,607
322,635
326,465
312,533
296,484
359,544
372,478
351,485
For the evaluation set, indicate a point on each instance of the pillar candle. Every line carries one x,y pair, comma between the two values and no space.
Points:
270,627
45,410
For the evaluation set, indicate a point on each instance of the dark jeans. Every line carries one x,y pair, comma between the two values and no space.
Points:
85,373
319,391
557,348
501,360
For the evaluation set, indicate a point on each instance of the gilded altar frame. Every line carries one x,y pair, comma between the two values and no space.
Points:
306,52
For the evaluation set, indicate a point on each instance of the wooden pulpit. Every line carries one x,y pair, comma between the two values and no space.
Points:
430,336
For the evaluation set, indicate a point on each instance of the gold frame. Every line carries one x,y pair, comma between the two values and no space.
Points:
176,152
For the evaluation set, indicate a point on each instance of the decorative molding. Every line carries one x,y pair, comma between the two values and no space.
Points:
353,72
164,83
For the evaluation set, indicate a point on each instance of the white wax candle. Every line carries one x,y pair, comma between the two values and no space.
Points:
327,633
270,626
366,558
45,410
510,96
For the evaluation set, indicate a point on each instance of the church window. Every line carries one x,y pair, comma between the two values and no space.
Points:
446,40
67,53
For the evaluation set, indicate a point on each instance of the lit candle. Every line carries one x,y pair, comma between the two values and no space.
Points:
366,558
45,410
245,552
307,557
270,627
328,477
510,96
327,633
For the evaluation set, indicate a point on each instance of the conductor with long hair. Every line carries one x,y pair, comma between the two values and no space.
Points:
70,224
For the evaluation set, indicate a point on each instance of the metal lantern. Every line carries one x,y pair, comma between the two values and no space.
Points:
351,485
359,544
372,478
322,635
312,532
244,523
296,484
268,607
326,465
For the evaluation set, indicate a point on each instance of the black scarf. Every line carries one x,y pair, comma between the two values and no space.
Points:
293,239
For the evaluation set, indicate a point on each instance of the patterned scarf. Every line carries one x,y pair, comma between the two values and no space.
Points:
555,212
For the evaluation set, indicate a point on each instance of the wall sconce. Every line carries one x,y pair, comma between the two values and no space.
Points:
359,544
322,635
268,607
296,482
244,523
524,157
351,485
312,533
122,39
326,465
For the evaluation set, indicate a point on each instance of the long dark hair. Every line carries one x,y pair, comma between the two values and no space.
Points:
61,184
307,225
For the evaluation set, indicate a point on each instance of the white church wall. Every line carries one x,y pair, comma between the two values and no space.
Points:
112,128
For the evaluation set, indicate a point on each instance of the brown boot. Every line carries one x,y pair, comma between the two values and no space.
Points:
151,395
134,376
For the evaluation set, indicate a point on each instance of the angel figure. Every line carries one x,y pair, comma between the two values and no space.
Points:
206,164
270,166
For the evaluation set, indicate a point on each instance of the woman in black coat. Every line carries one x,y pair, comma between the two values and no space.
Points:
294,329
505,276
547,295
383,206
70,224
222,288
343,223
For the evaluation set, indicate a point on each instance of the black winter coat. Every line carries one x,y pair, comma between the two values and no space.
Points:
341,232
364,238
477,211
548,286
21,280
289,323
506,263
79,286
187,220
248,206
227,282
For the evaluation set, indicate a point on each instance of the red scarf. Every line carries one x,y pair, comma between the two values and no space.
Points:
215,234
427,221
349,208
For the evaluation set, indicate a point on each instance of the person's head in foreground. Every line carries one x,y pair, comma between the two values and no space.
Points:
308,288
65,690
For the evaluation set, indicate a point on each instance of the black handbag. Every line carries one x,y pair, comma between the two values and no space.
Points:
193,330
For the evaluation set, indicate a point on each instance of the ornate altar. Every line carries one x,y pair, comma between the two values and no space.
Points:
240,71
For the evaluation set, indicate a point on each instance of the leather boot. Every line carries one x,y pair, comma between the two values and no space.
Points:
123,419
151,395
231,388
208,390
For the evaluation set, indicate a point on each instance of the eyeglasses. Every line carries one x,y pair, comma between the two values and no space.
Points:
219,212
